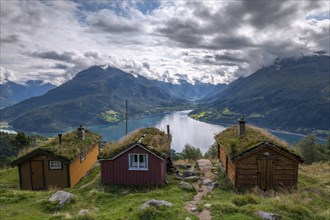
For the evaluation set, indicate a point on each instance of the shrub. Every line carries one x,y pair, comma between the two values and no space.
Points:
191,153
212,152
243,200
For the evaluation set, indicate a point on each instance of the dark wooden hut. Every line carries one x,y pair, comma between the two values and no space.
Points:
139,159
251,157
61,162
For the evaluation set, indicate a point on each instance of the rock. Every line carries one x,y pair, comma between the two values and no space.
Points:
193,209
153,202
212,185
192,178
207,181
189,172
83,212
268,216
178,178
186,185
207,205
62,197
188,218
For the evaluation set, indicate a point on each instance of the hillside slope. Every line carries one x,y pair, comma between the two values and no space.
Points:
12,93
94,96
292,94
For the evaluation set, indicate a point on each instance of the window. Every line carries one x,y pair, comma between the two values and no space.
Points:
138,162
82,156
55,165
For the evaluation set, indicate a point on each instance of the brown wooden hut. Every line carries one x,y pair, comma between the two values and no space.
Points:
61,162
251,157
139,159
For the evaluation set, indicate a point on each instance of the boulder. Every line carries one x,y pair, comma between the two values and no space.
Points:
212,185
62,197
186,185
192,178
268,216
189,172
153,202
207,181
83,212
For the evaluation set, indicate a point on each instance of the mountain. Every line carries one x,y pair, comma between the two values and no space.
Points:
190,92
12,93
292,94
94,96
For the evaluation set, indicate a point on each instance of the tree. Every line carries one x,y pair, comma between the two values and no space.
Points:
21,141
191,153
308,149
212,152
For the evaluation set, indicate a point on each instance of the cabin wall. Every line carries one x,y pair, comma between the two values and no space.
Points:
227,164
49,178
117,171
79,168
281,170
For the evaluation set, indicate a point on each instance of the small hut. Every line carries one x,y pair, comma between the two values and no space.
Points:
139,159
61,162
251,157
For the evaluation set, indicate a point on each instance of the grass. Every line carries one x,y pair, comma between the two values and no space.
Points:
71,146
103,201
155,140
234,146
310,201
111,116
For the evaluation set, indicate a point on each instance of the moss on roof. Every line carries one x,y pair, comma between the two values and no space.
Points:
154,139
71,146
235,146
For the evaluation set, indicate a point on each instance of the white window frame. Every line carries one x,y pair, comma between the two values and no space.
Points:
55,165
138,165
83,156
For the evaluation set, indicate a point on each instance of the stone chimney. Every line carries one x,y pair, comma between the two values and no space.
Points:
81,133
60,138
168,131
241,127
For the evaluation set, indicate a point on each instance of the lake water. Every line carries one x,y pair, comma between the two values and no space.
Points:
183,129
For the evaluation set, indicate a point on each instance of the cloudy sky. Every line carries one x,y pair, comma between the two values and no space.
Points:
211,41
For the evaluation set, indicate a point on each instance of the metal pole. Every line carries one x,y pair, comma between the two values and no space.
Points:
126,118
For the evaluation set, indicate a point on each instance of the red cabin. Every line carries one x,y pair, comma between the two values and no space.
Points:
142,162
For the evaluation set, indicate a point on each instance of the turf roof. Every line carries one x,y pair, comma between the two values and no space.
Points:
253,136
71,145
154,139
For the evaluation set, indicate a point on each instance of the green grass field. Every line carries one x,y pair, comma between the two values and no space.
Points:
310,201
103,202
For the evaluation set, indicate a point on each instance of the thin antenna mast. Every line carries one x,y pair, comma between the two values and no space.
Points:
126,118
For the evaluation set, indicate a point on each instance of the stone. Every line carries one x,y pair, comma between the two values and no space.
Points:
207,181
153,202
62,197
207,205
193,209
83,212
186,185
268,216
188,218
212,185
192,178
189,172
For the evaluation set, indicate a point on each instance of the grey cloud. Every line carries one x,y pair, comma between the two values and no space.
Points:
13,38
228,58
146,65
61,66
52,55
91,54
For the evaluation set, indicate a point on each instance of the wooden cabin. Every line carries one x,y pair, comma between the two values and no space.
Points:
251,156
61,162
139,159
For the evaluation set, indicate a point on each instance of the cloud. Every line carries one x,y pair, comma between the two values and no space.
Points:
210,41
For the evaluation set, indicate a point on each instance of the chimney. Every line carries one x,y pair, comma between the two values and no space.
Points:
60,138
168,131
241,127
81,133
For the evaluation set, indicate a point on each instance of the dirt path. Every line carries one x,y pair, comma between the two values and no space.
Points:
207,177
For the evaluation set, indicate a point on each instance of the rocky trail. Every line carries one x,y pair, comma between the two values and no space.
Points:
203,186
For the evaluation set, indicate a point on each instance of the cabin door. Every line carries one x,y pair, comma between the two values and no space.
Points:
265,174
37,175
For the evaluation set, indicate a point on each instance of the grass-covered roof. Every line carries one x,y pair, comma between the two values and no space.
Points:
155,140
71,145
253,136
